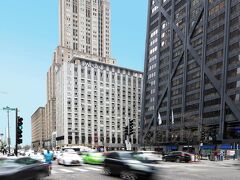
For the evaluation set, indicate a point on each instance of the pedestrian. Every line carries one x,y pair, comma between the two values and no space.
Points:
221,155
215,155
48,158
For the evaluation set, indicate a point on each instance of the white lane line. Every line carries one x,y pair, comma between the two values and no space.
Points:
91,168
78,169
65,170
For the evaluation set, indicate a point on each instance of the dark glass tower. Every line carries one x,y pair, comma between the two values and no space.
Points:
192,73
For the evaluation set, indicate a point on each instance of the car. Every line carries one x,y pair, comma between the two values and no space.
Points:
24,168
123,164
148,156
93,158
37,156
69,158
178,156
56,154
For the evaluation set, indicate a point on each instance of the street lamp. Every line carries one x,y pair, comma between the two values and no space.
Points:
9,109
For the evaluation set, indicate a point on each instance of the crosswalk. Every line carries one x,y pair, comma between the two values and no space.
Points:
57,170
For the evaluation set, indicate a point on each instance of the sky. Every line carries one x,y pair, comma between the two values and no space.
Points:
28,38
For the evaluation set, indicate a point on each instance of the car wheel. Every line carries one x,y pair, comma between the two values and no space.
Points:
106,171
127,175
164,160
178,160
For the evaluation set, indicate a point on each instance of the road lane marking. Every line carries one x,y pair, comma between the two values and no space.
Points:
78,169
65,170
91,168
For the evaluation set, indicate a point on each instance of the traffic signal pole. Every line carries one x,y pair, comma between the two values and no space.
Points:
16,146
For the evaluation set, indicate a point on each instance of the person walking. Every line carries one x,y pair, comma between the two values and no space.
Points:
48,158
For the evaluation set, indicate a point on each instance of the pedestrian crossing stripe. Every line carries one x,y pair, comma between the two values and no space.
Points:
65,170
78,169
91,168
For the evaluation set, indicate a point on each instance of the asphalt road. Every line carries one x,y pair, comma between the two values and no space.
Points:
203,170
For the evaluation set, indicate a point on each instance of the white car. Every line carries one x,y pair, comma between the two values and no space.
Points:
148,157
69,158
37,156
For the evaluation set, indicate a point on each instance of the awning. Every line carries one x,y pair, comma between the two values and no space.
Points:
208,147
225,146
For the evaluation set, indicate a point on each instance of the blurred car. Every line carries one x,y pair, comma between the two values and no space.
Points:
93,158
37,156
69,158
178,156
148,156
24,168
122,164
56,154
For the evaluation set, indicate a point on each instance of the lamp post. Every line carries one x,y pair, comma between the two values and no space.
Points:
9,109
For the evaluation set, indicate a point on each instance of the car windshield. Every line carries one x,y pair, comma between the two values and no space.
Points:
126,155
96,154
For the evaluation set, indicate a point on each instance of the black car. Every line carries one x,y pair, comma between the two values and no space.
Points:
177,156
123,164
24,168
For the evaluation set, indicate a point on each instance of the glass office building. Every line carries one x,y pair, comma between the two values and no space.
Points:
191,87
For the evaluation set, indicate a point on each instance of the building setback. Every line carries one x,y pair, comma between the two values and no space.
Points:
94,101
191,76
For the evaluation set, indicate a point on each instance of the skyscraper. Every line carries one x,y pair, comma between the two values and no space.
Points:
84,29
85,26
191,78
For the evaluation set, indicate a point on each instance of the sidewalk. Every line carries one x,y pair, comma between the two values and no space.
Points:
229,162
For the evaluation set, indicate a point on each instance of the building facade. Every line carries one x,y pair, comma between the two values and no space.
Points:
38,123
85,26
94,102
84,29
191,77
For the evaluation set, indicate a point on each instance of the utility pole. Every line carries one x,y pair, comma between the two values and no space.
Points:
16,146
9,140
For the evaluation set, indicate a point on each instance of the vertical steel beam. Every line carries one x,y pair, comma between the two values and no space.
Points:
170,69
224,69
202,83
145,71
185,61
158,72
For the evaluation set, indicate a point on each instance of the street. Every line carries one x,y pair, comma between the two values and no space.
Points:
203,170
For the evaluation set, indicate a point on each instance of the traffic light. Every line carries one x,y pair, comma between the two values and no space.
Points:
126,130
19,130
130,127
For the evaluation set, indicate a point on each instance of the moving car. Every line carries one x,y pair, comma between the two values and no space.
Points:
122,164
24,168
37,156
148,156
69,158
178,156
93,158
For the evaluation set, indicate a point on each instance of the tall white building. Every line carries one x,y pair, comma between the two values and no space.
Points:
94,102
85,26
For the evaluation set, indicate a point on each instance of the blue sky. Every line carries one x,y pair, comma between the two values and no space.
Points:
28,38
